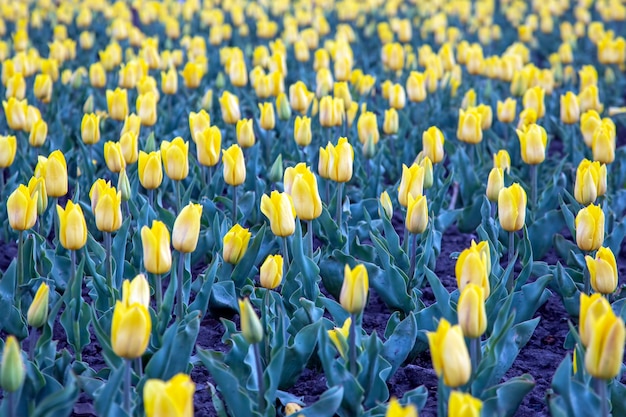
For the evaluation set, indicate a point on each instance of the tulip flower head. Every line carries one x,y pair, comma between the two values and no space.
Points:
591,309
339,337
432,144
590,181
245,133
157,256
234,166
302,131
235,244
449,354
38,311
173,398
175,158
397,410
251,327
130,328
512,207
54,170
150,169
355,288
12,371
473,266
416,214
602,271
461,404
271,274
73,227
533,141
603,357
589,224
412,183
230,108
470,126
280,211
22,209
209,146
301,184
187,228
471,311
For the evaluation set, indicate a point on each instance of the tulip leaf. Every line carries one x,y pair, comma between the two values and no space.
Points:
572,398
390,283
400,343
106,397
530,298
71,325
441,295
329,230
299,352
618,398
223,296
203,294
61,402
542,231
327,405
566,288
118,252
103,334
504,399
243,269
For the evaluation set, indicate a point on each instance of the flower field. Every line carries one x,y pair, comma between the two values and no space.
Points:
313,208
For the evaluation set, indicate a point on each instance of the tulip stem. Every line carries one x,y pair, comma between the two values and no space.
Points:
405,241
158,292
259,374
12,404
265,315
441,400
32,343
285,255
352,345
309,234
234,205
413,244
20,269
179,287
475,353
127,386
586,281
509,283
600,386
179,202
108,263
533,185
339,203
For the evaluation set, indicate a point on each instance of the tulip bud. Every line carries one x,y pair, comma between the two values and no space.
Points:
533,141
169,82
187,228
474,267
386,205
602,271
8,148
276,169
570,111
340,160
367,128
38,311
416,87
117,103
591,309
603,357
507,110
355,288
292,408
416,214
160,398
534,99
15,113
603,144
90,129
146,107
38,133
412,183
432,144
150,169
22,209
589,225
267,120
157,256
469,129
471,311
73,228
234,166
192,74
207,100
198,122
43,88
107,208
271,274
449,354
590,181
137,290
461,404
130,329
282,107
132,123
37,188
229,104
175,158
301,184
302,131
208,146
280,211
512,207
12,372
114,157
251,327
235,244
495,183
397,97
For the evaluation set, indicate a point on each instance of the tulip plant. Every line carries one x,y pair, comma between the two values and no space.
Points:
294,172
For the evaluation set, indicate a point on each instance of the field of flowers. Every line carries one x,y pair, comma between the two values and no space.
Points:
312,208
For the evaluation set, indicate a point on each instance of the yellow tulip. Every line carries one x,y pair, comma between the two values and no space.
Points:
235,244
469,129
324,81
73,228
271,274
570,111
12,371
97,75
471,311
416,214
339,337
416,87
38,133
251,327
366,84
302,131
495,183
43,88
396,410
90,129
342,92
175,158
173,398
534,99
150,169
37,187
16,87
15,113
267,119
603,357
108,209
449,354
22,208
169,82
280,211
603,144
137,290
299,97
130,329
198,122
502,160
8,148
526,118
38,311
367,128
114,157
157,256
589,122
411,184
301,184
192,74
355,288
132,123
507,110
432,144
385,203
589,225
602,271
187,228
234,166
474,267
129,146
590,181
54,170
486,118
469,100
533,141
340,160
397,97
591,309
391,122
512,207
229,104
146,107
589,99
463,405
327,112
117,103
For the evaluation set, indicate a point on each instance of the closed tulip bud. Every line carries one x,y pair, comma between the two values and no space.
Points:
589,225
391,123
123,185
299,97
486,118
603,145
327,117
15,113
471,311
432,144
73,228
461,404
117,103
339,337
187,228
416,214
157,256
229,104
302,131
132,123
37,188
589,122
512,208
245,133
570,111
38,133
90,129
355,288
590,181
146,106
602,271
367,128
397,97
16,87
386,205
175,158
495,183
469,99
267,119
301,184
341,91
208,145
235,244
38,311
114,157
474,267
234,166
533,141
192,74
591,309
282,107
150,170
251,327
129,146
137,290
54,170
280,211
207,100
534,99
412,183
108,210
507,110
43,88
427,164
22,209
172,398
97,188
198,122
12,372
469,129
603,357
502,160
271,274
130,329
589,99
449,354
97,75
416,87
238,73
8,148
340,160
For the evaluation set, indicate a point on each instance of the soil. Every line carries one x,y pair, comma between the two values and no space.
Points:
540,357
